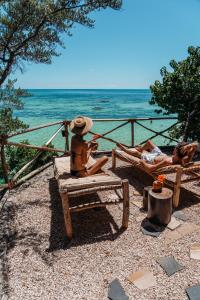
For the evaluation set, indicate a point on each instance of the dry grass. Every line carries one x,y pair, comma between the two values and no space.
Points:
41,264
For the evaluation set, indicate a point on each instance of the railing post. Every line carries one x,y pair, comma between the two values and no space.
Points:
3,162
132,133
66,136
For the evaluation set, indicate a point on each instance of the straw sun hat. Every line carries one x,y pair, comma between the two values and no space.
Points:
81,125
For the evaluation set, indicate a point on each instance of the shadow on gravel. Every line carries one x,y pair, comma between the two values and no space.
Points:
89,226
7,215
134,175
138,181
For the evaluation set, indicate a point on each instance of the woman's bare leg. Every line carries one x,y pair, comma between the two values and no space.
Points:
148,146
97,166
133,151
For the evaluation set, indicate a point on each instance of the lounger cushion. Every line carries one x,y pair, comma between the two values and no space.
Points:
70,183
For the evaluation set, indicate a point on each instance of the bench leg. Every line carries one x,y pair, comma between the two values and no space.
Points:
67,215
125,190
113,159
177,186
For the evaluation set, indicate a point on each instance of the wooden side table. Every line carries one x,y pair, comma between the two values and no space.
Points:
160,206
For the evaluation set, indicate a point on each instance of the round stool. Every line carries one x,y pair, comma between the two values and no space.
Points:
160,206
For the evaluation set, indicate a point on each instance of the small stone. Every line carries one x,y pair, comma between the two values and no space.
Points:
195,251
142,279
180,215
116,291
170,265
193,292
173,224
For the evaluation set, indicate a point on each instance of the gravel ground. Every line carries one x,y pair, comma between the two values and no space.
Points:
37,262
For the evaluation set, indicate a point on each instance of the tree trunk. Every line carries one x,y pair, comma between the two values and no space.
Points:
187,125
4,164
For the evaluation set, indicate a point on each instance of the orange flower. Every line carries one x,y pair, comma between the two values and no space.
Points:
161,178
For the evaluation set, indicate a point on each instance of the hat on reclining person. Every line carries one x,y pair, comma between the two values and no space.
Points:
81,125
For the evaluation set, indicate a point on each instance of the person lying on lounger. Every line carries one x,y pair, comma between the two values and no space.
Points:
81,149
152,158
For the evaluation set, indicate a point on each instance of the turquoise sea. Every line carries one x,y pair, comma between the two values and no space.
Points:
49,105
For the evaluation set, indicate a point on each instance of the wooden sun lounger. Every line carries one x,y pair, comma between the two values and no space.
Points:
70,186
175,175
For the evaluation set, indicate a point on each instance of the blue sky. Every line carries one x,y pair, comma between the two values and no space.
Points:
126,48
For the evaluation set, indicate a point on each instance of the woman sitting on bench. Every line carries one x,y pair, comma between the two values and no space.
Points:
152,158
81,149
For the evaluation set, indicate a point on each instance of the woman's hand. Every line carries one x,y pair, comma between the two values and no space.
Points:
96,136
120,146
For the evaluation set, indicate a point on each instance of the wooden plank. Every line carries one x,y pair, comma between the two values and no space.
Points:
35,128
113,160
66,136
67,215
158,133
190,179
36,156
132,134
75,184
34,147
177,186
135,119
85,206
93,190
125,191
108,139
33,173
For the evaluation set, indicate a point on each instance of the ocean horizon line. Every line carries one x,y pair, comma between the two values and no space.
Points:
97,89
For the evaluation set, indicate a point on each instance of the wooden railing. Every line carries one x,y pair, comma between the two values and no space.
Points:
64,126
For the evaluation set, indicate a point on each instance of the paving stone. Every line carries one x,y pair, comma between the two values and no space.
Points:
142,279
193,292
116,291
173,224
180,215
195,251
170,265
180,232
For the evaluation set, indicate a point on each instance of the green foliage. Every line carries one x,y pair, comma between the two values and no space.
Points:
17,157
179,93
10,98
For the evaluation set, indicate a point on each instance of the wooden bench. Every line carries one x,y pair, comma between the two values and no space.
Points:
176,175
70,186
